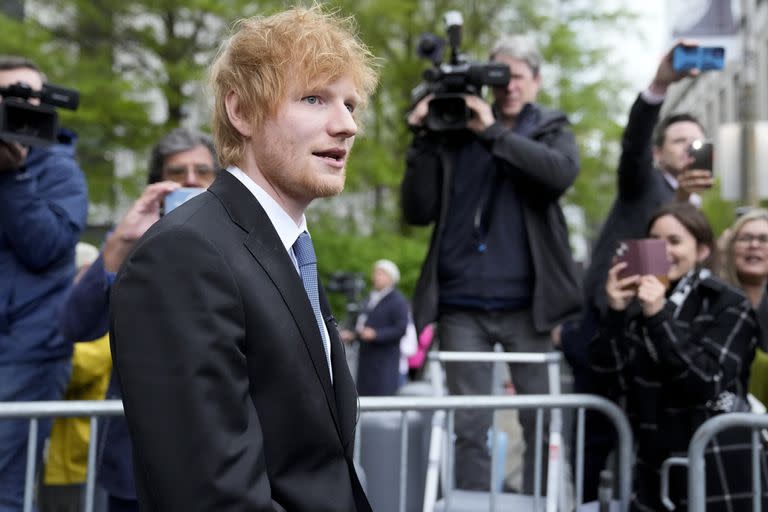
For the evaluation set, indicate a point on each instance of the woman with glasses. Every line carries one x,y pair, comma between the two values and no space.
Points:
746,266
679,354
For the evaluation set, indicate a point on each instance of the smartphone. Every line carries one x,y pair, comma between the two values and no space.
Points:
701,152
179,197
644,256
704,58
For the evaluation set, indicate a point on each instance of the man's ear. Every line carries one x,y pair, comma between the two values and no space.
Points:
232,103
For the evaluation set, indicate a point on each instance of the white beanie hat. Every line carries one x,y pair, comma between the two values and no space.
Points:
390,268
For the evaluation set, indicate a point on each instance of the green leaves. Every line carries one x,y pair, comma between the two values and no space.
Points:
140,65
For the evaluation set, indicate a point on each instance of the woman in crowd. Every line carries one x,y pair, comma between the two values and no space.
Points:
379,329
746,266
679,354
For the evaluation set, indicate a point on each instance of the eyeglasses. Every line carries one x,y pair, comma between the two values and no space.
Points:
747,239
202,171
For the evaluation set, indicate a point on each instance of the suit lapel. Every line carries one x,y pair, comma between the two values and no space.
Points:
266,247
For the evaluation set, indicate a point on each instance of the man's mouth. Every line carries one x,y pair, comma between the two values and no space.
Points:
336,154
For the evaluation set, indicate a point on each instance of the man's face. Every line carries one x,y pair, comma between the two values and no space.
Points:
191,168
28,76
672,155
523,87
302,150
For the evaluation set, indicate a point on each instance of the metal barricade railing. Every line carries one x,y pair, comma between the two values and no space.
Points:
536,402
697,490
60,409
94,409
555,468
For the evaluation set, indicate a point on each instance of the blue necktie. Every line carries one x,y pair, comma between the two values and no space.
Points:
305,257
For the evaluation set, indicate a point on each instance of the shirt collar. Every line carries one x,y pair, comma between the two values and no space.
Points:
286,228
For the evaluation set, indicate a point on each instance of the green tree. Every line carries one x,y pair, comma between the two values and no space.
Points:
139,67
579,78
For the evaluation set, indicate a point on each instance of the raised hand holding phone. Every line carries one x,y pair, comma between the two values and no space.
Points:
704,58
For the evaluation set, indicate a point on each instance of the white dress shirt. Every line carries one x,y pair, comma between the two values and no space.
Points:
286,228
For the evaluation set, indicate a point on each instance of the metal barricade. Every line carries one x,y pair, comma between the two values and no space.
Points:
697,490
555,467
94,409
60,409
536,402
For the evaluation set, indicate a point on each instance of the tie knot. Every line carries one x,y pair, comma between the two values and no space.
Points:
304,250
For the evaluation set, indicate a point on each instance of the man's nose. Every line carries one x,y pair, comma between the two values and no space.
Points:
342,123
190,178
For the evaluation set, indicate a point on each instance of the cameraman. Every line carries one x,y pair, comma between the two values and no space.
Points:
499,267
43,209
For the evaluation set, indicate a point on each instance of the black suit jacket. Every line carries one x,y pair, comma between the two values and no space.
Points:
641,190
225,383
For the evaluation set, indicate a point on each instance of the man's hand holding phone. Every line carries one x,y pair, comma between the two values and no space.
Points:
666,74
144,212
697,177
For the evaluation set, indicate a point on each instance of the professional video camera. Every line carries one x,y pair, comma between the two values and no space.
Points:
351,285
29,124
450,82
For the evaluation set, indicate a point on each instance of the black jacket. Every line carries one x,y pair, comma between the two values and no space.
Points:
543,166
641,190
378,370
227,391
677,369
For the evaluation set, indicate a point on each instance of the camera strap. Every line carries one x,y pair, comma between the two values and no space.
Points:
484,211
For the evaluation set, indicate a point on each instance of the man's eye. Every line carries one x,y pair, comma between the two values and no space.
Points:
312,100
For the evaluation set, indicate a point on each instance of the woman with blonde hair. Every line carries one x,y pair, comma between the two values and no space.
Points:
745,264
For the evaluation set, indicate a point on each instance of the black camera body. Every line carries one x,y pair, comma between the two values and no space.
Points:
30,124
351,285
449,82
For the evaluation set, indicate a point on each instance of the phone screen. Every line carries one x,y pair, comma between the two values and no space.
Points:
704,58
179,197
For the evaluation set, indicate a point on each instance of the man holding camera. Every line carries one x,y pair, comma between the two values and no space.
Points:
654,168
43,207
499,267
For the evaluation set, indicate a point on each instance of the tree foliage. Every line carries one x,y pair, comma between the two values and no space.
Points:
140,67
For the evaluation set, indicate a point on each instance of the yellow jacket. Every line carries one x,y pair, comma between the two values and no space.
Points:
68,449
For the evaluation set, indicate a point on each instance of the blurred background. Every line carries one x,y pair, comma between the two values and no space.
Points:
140,67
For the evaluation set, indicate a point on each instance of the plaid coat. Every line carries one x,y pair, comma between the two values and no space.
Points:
675,370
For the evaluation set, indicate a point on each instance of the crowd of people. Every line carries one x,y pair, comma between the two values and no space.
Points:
211,325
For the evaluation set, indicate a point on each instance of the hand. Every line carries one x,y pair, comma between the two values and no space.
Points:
556,335
144,212
620,291
666,75
651,294
367,334
418,113
12,156
693,181
482,115
347,336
